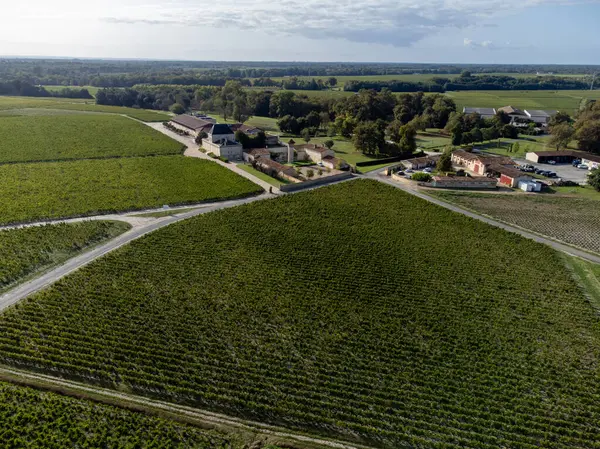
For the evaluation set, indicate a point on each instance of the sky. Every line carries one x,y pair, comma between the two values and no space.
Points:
436,31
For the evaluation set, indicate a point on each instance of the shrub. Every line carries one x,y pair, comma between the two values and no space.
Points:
421,177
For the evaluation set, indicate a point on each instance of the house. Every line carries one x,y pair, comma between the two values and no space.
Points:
317,153
486,113
191,124
276,170
335,163
540,117
221,141
564,157
250,130
509,176
463,182
252,155
419,163
477,163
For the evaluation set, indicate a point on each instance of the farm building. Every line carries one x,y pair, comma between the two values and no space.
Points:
191,124
250,130
317,154
540,117
276,170
335,163
477,163
221,141
463,182
483,112
516,115
563,157
419,163
509,176
530,186
252,155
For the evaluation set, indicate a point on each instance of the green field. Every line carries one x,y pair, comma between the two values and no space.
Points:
35,191
33,419
91,89
355,310
260,175
23,103
30,250
573,220
562,100
61,137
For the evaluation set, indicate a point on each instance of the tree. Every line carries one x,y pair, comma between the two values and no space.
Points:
329,144
306,135
594,179
201,135
243,139
445,162
515,147
332,82
588,135
177,108
369,138
509,132
457,135
421,177
560,117
562,134
310,173
408,141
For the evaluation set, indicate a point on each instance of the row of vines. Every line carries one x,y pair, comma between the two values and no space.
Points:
33,419
29,250
355,311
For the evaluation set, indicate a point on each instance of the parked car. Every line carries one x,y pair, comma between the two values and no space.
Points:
409,171
538,171
552,162
583,166
551,174
428,170
576,162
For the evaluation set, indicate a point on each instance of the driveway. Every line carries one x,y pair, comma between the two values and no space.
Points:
565,171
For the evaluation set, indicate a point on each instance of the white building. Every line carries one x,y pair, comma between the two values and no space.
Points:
221,141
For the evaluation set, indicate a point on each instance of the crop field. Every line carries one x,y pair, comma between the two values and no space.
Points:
34,419
575,221
356,311
29,250
21,103
562,100
61,137
34,191
91,89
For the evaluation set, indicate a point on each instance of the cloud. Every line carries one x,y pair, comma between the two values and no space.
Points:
399,23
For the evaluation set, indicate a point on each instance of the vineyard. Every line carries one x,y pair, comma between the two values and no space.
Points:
39,191
34,419
47,138
356,311
29,250
575,221
24,103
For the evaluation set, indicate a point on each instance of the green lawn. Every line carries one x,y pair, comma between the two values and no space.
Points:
30,250
60,137
588,275
432,140
11,103
355,311
260,175
36,191
586,191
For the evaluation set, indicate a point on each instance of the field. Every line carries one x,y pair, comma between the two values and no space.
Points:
30,250
562,100
588,275
91,89
355,310
24,103
34,419
573,220
260,175
62,137
37,191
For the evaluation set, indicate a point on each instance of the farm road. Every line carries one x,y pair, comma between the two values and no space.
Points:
139,229
538,238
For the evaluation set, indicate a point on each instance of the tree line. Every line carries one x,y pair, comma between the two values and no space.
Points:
469,82
20,88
